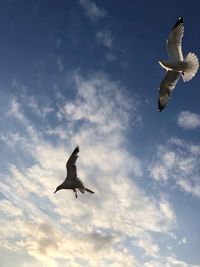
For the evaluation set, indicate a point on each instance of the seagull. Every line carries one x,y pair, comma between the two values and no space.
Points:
72,181
176,66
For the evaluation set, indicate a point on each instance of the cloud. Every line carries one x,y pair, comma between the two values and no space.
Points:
105,37
110,57
60,64
8,208
177,160
11,139
15,111
146,243
188,120
183,241
164,163
41,111
92,10
168,262
91,230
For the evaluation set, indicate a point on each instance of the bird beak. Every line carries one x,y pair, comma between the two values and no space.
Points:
55,191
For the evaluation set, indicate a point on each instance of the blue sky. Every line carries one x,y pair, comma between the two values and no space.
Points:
86,73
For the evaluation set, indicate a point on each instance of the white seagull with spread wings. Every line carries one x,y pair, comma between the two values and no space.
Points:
72,181
176,65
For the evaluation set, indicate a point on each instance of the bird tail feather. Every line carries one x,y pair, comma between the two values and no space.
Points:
82,190
191,67
89,191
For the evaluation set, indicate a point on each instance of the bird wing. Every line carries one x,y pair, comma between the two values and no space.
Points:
71,164
174,41
167,85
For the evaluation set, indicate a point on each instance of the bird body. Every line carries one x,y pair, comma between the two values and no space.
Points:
72,181
179,66
71,184
176,66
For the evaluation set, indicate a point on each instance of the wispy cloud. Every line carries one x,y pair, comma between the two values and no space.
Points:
105,37
178,160
183,241
92,10
188,120
94,230
168,262
41,111
60,64
15,111
111,57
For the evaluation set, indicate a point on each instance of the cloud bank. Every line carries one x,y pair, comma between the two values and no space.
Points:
89,231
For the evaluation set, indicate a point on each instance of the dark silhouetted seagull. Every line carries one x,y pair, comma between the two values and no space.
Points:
176,65
72,181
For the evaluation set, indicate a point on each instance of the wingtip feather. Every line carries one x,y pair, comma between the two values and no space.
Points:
179,21
77,149
160,107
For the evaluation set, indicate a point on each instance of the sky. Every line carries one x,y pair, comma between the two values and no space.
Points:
86,72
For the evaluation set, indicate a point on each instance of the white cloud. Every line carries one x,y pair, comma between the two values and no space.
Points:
15,111
183,241
146,243
188,120
178,160
36,108
167,210
92,108
92,10
168,262
9,209
11,139
164,163
104,36
96,228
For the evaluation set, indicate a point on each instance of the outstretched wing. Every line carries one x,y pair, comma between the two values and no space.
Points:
174,41
167,85
71,164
